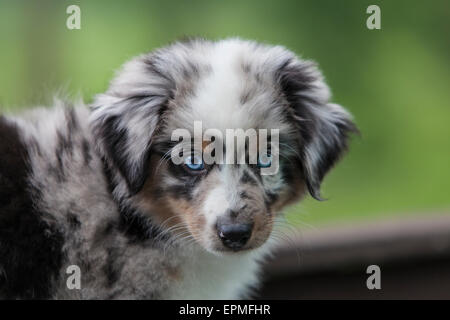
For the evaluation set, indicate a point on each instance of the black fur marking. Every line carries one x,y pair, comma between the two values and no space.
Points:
86,151
187,181
63,151
296,80
64,143
151,63
114,140
335,150
290,169
158,192
244,195
73,220
135,225
30,250
115,137
109,176
112,267
246,178
104,231
138,227
271,197
246,67
191,71
110,227
72,122
180,191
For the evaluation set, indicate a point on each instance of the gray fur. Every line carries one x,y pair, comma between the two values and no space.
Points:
93,168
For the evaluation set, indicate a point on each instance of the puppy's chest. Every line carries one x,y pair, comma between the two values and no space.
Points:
206,276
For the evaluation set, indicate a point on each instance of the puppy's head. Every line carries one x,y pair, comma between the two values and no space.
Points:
225,85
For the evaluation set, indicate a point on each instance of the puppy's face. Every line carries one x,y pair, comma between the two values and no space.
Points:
223,206
227,204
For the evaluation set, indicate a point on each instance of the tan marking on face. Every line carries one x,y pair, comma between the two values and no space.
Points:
171,211
262,219
188,219
189,215
148,202
172,272
205,143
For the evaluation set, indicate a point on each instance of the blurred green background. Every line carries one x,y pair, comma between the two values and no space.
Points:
394,80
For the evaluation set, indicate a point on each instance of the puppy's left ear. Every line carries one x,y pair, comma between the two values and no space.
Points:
323,127
125,119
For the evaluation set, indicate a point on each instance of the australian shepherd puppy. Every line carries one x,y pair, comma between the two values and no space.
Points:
97,189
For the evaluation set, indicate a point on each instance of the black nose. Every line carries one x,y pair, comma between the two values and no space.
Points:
234,236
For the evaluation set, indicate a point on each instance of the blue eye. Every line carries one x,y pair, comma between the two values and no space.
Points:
194,163
265,161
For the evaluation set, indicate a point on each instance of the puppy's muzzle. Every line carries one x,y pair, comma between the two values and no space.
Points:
234,236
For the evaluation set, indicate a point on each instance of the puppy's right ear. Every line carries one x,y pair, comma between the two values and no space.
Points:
126,117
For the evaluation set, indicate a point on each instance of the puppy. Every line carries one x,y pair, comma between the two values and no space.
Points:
96,190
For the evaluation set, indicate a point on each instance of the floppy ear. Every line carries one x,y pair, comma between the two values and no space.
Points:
323,127
126,117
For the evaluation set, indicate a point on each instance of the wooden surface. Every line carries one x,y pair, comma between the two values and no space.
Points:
331,263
